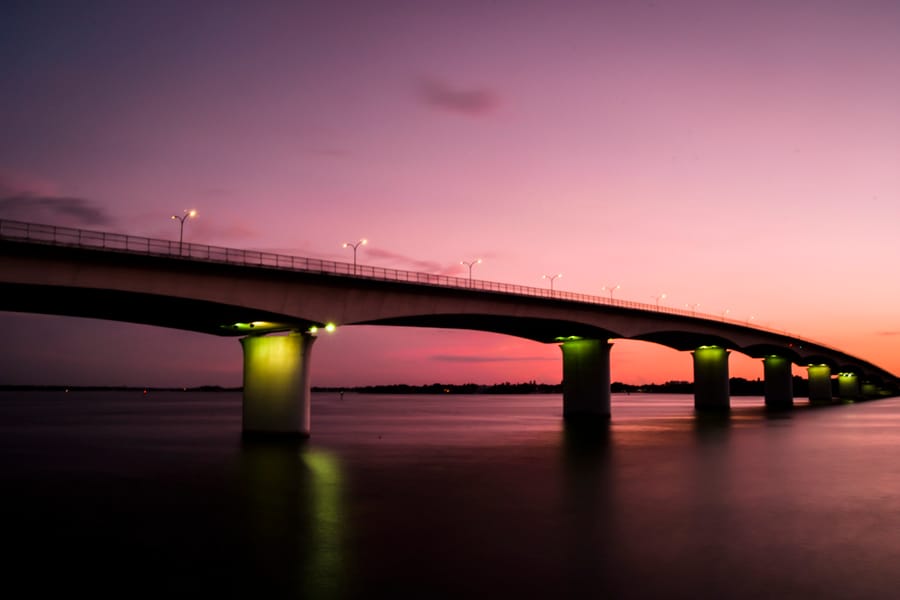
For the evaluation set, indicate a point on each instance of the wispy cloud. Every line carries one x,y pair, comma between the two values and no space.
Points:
53,210
473,102
888,333
400,261
486,359
26,198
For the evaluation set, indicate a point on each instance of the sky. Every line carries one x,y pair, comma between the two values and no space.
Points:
743,157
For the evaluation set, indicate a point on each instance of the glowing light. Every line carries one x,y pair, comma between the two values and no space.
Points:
610,289
355,246
329,327
552,278
251,325
470,264
188,214
848,386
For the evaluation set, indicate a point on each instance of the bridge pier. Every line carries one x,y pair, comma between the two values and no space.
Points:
778,382
870,390
276,385
819,379
586,379
711,391
848,386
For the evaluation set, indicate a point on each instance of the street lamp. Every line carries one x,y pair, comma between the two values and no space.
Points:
693,308
355,245
188,214
658,298
551,278
725,313
610,289
471,264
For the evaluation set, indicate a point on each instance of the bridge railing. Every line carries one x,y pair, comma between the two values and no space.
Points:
117,242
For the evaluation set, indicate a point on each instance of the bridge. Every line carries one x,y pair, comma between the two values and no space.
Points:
276,305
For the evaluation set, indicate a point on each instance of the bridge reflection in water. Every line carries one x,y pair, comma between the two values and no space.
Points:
278,304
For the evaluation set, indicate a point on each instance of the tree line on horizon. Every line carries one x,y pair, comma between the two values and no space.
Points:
738,386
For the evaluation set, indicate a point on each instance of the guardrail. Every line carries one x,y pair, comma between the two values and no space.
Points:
130,244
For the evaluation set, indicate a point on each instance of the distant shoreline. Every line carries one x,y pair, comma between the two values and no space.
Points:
114,388
738,385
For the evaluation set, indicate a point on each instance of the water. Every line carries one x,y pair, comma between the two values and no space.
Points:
122,494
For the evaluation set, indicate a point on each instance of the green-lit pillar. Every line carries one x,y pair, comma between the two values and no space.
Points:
870,390
711,378
819,379
779,382
276,384
585,379
848,386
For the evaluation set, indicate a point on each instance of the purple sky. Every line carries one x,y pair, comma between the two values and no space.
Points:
743,156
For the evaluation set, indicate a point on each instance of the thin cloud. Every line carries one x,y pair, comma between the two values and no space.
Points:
399,261
486,359
473,102
385,258
888,333
52,209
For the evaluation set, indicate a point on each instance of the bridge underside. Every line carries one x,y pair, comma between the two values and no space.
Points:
544,330
147,309
229,320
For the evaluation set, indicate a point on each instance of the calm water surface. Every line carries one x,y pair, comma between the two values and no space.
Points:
124,494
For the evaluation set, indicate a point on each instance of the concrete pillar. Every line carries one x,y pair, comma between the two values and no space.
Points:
819,379
870,390
711,379
779,382
276,384
586,379
848,386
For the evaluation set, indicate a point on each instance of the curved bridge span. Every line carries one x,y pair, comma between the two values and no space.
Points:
252,295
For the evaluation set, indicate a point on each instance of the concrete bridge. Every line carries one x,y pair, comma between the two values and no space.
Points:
257,295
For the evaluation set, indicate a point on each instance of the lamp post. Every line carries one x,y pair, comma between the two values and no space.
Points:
188,214
355,245
470,264
725,313
610,289
658,298
551,278
693,308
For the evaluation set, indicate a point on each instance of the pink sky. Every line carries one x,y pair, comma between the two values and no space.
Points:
740,156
